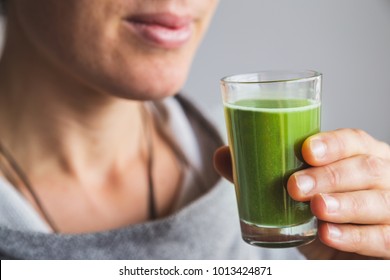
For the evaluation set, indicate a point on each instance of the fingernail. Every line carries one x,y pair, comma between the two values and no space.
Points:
334,232
331,203
318,148
305,183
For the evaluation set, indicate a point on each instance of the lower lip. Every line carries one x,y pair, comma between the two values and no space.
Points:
162,36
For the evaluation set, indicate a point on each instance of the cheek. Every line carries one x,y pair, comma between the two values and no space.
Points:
48,25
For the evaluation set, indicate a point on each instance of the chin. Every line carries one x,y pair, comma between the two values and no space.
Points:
159,93
140,78
152,87
145,91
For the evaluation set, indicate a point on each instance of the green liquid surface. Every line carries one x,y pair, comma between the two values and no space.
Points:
266,137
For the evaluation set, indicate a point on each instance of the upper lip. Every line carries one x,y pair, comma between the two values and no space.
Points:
168,20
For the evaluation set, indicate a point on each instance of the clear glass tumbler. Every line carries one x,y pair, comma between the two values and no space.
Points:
268,116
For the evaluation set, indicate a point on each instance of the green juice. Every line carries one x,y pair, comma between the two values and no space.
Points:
265,137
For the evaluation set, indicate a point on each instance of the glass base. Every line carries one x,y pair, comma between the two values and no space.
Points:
279,237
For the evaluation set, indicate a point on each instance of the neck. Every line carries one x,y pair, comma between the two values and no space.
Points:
53,118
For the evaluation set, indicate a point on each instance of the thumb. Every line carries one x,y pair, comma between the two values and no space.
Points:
223,162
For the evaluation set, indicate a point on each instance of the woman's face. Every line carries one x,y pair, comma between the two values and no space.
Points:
138,49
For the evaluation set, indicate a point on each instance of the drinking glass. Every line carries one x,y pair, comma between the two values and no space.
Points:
268,116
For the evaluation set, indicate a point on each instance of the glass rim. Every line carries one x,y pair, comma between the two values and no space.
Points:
260,77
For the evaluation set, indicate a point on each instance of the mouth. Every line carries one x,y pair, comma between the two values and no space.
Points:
162,30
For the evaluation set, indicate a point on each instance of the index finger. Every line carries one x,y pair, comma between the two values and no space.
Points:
326,147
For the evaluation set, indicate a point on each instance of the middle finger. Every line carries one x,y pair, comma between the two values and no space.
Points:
350,174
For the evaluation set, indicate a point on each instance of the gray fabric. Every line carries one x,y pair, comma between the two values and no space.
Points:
207,228
16,213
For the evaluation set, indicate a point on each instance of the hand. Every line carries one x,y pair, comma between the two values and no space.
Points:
349,189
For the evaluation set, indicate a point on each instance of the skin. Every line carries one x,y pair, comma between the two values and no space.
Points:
72,80
83,76
348,187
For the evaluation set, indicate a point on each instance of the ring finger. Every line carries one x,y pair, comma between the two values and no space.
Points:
360,207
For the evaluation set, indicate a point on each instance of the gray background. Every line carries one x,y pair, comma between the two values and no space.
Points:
347,40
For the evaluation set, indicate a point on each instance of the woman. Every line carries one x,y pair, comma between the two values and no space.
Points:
100,161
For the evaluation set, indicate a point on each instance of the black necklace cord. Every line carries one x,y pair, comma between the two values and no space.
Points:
29,187
27,184
146,120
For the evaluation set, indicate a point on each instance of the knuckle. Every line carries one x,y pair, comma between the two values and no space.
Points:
357,238
332,175
385,231
374,166
339,141
385,148
364,139
356,205
362,135
385,196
